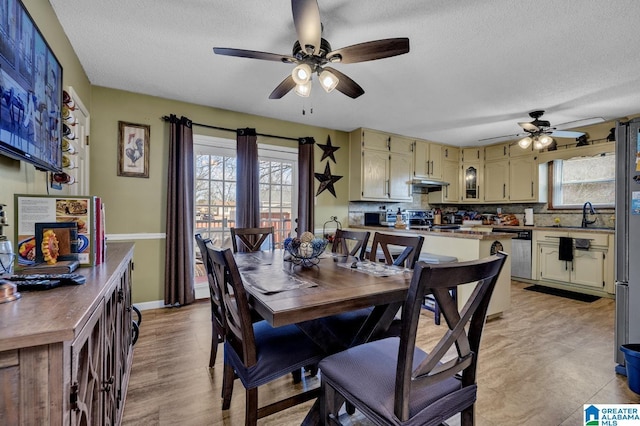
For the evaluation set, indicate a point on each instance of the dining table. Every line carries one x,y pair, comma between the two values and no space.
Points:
283,291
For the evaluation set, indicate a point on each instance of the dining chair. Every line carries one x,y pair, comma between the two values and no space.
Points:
352,243
393,381
257,353
217,315
251,238
385,247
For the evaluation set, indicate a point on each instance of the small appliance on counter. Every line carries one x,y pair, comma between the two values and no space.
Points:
375,218
391,217
528,217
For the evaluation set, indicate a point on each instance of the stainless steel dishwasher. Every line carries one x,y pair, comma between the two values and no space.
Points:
520,253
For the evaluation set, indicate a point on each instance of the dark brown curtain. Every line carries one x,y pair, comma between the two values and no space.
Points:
178,271
306,182
247,179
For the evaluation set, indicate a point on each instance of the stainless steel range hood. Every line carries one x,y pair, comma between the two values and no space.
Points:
428,183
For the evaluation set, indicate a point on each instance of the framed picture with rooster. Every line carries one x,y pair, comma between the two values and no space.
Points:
133,149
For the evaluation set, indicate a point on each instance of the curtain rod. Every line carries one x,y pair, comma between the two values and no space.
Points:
166,118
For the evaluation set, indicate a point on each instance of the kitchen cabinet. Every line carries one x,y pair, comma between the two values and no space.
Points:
428,160
450,174
524,179
496,178
591,270
381,166
472,174
496,152
67,356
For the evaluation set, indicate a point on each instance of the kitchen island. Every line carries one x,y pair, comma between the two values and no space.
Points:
465,245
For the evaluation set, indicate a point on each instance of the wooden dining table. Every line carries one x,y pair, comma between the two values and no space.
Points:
284,292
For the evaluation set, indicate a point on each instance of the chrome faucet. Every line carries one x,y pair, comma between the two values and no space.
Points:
591,210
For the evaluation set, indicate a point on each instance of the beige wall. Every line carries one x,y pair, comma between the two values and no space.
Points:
18,177
135,207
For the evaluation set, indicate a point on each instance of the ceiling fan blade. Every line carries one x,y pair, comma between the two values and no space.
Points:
253,54
372,50
345,84
306,18
580,123
502,138
566,134
283,88
529,127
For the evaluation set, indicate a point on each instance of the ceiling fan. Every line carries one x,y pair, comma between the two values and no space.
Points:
312,54
539,132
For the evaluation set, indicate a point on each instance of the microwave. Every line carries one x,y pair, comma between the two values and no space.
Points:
375,219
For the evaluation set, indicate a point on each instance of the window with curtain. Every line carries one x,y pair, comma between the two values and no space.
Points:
215,188
577,180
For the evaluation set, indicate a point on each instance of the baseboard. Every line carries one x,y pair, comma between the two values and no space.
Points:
201,290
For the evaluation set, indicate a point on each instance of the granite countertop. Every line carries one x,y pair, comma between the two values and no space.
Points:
451,233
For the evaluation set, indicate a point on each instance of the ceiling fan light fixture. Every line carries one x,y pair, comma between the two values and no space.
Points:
545,140
524,143
301,74
328,80
537,143
304,89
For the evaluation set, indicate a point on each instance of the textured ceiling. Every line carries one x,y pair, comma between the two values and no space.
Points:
475,68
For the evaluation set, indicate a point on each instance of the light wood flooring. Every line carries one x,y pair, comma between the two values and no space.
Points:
539,363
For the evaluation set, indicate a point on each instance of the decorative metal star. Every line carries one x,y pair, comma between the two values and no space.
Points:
328,150
327,180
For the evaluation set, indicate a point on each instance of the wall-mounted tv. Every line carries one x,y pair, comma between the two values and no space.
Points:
30,91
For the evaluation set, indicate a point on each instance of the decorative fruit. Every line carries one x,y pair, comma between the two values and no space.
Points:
50,247
306,237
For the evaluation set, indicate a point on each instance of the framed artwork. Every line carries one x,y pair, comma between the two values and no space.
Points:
133,149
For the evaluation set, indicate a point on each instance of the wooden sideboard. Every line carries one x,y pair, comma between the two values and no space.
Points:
66,353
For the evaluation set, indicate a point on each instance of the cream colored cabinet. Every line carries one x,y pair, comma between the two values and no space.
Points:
496,178
450,174
428,160
496,152
381,166
472,176
523,179
589,270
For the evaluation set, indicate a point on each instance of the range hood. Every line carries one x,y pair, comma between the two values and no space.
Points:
428,183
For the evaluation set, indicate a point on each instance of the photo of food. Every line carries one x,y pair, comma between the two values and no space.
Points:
56,241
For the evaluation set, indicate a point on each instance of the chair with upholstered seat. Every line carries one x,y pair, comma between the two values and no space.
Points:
257,353
217,316
251,238
352,243
399,250
393,381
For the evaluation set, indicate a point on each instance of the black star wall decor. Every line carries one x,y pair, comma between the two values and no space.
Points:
328,150
327,180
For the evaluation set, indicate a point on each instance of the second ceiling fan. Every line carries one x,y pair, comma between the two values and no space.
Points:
312,54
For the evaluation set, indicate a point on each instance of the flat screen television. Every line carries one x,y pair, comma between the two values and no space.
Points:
30,91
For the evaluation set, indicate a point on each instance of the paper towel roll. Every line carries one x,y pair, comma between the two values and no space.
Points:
528,217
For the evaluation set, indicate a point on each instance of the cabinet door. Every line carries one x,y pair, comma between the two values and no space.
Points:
372,139
435,158
421,163
472,155
450,153
401,145
550,267
471,182
451,174
588,268
86,373
523,178
400,172
496,152
375,178
496,178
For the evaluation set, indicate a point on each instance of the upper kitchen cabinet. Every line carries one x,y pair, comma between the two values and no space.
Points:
516,151
381,166
450,174
472,174
496,173
524,180
428,160
496,152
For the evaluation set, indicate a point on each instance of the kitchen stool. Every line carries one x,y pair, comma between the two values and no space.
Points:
429,302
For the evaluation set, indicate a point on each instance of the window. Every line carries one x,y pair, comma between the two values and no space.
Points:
578,180
215,188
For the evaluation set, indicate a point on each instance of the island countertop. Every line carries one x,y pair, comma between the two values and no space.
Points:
451,233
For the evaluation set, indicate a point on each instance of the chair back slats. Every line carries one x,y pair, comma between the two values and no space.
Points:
464,327
409,256
214,292
358,239
239,328
251,238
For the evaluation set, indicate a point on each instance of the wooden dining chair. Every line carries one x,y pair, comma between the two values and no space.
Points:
352,243
257,353
393,381
217,315
251,238
385,247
